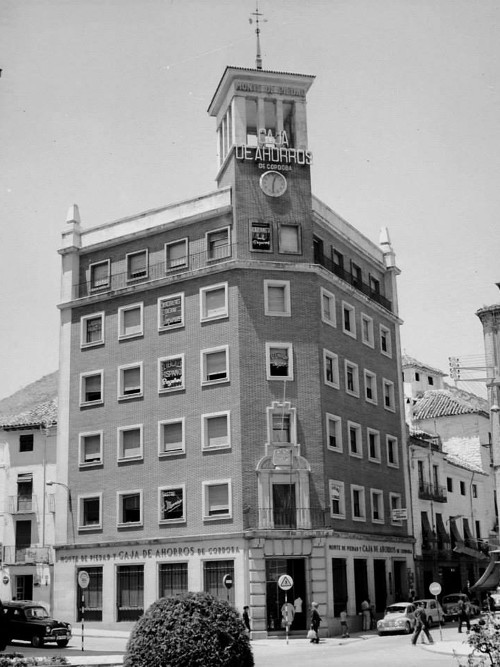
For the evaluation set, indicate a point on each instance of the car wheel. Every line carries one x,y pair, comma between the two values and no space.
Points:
430,623
62,643
37,641
407,629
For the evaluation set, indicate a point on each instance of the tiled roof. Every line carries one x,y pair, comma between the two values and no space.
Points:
411,362
42,414
464,452
442,403
32,406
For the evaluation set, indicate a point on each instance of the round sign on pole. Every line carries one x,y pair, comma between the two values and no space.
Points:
285,582
228,581
83,578
435,588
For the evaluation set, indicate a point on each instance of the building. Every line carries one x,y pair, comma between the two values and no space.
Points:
230,389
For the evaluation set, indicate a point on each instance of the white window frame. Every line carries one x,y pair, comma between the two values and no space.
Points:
217,482
383,330
388,391
204,430
325,294
355,391
178,265
121,370
330,358
352,319
395,497
395,449
285,284
172,487
171,297
119,453
105,285
368,340
341,486
287,346
121,314
380,494
362,504
83,329
83,377
227,247
368,375
203,365
221,312
282,225
335,422
177,387
174,452
378,457
354,426
82,463
89,496
131,278
120,495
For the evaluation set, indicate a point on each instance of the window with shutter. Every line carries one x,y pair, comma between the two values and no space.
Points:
130,321
176,254
289,239
137,265
99,275
217,501
131,381
216,431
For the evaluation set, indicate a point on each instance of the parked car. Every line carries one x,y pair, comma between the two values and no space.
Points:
450,605
29,621
433,611
399,617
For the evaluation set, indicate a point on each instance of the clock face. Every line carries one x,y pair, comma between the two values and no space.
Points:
273,183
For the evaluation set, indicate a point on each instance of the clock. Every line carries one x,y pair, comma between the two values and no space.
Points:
273,183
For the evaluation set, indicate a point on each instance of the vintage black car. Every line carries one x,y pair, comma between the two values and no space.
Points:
29,621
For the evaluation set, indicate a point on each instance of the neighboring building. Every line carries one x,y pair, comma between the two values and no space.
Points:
28,429
451,478
230,389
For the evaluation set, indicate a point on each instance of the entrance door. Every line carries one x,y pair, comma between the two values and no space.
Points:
400,581
284,507
275,597
380,584
23,541
24,587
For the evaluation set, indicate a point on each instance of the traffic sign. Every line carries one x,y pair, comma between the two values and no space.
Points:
285,582
228,581
83,578
435,588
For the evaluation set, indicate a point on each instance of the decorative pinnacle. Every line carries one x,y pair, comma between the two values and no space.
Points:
257,14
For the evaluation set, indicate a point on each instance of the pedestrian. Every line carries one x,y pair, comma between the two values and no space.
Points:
246,619
343,623
365,613
315,622
421,624
464,611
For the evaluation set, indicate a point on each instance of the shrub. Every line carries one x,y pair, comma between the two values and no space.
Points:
484,637
18,660
196,629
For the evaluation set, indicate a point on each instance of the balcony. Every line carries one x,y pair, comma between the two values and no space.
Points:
290,519
23,504
433,492
27,555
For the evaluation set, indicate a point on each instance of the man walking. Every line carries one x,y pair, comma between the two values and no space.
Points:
464,614
421,625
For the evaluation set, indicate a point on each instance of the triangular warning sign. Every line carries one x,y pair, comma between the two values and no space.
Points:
285,582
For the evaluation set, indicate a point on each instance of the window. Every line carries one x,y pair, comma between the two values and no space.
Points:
417,376
137,265
462,488
173,579
129,508
130,381
367,335
92,330
370,387
130,320
374,285
338,262
218,244
171,373
91,388
358,505
213,302
373,438
392,452
348,319
214,572
176,254
355,440
289,241
260,236
171,312
474,490
130,443
279,361
334,432
277,298
281,426
129,592
356,275
328,313
217,499
99,275
171,437
449,484
377,503
388,389
331,369
337,499
351,378
172,504
90,449
89,512
215,365
430,380
385,341
395,504
26,441
215,429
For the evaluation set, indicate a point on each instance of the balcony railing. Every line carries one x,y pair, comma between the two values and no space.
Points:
23,504
427,491
157,271
290,519
348,277
27,555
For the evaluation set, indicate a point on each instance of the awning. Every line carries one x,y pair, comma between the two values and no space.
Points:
459,541
467,534
441,529
490,579
467,551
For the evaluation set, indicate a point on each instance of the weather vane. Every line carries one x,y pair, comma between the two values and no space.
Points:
257,14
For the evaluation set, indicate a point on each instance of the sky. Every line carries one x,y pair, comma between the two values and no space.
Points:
103,104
